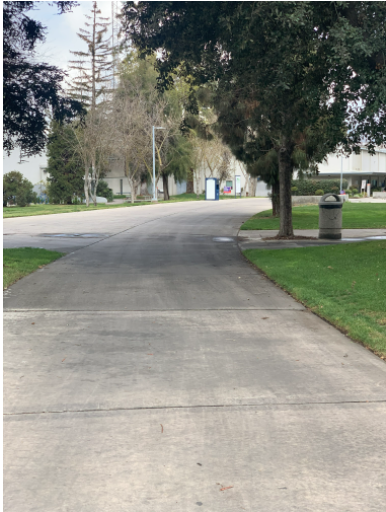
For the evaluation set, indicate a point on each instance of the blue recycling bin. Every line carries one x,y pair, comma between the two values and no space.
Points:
212,189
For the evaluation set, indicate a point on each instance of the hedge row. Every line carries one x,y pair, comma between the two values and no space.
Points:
310,187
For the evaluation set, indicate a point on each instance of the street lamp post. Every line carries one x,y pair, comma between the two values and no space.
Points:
154,189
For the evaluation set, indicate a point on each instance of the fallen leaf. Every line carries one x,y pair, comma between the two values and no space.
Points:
265,317
149,354
329,267
162,428
33,323
226,488
63,360
199,464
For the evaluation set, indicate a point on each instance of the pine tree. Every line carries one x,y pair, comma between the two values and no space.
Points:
94,71
64,167
94,66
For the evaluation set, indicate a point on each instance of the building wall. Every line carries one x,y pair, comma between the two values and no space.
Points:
357,168
119,183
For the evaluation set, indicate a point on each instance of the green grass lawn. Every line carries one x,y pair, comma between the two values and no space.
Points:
355,216
345,284
18,263
48,209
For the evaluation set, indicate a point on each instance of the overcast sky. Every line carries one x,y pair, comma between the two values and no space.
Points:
60,39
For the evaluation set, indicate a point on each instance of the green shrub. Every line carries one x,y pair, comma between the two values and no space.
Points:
353,191
17,189
103,190
294,190
319,192
308,187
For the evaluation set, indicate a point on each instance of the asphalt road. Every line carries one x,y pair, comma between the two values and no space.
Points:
153,369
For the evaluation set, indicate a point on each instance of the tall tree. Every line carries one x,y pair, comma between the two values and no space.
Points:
29,88
138,106
300,65
92,141
64,166
129,142
93,68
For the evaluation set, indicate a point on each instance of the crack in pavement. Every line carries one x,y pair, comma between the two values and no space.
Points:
198,406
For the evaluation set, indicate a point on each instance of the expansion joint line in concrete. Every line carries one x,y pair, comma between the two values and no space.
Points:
199,406
14,310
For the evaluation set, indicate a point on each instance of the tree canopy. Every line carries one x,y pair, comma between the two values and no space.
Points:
17,189
299,72
29,88
65,169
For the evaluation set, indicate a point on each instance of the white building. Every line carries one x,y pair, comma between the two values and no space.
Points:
357,168
119,183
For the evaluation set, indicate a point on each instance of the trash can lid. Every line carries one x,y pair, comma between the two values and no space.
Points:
330,201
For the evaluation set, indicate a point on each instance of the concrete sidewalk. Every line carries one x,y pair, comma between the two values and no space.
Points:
153,369
256,239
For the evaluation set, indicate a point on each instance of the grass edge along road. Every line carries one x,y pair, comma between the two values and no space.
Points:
355,216
345,284
50,209
22,261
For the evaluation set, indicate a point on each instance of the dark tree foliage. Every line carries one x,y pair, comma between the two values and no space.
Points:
103,190
29,88
17,189
298,72
64,167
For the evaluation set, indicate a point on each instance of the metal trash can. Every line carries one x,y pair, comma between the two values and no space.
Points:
330,217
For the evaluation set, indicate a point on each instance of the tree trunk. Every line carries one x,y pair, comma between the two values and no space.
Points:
86,188
189,182
276,200
252,188
247,181
165,186
133,191
96,181
285,177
